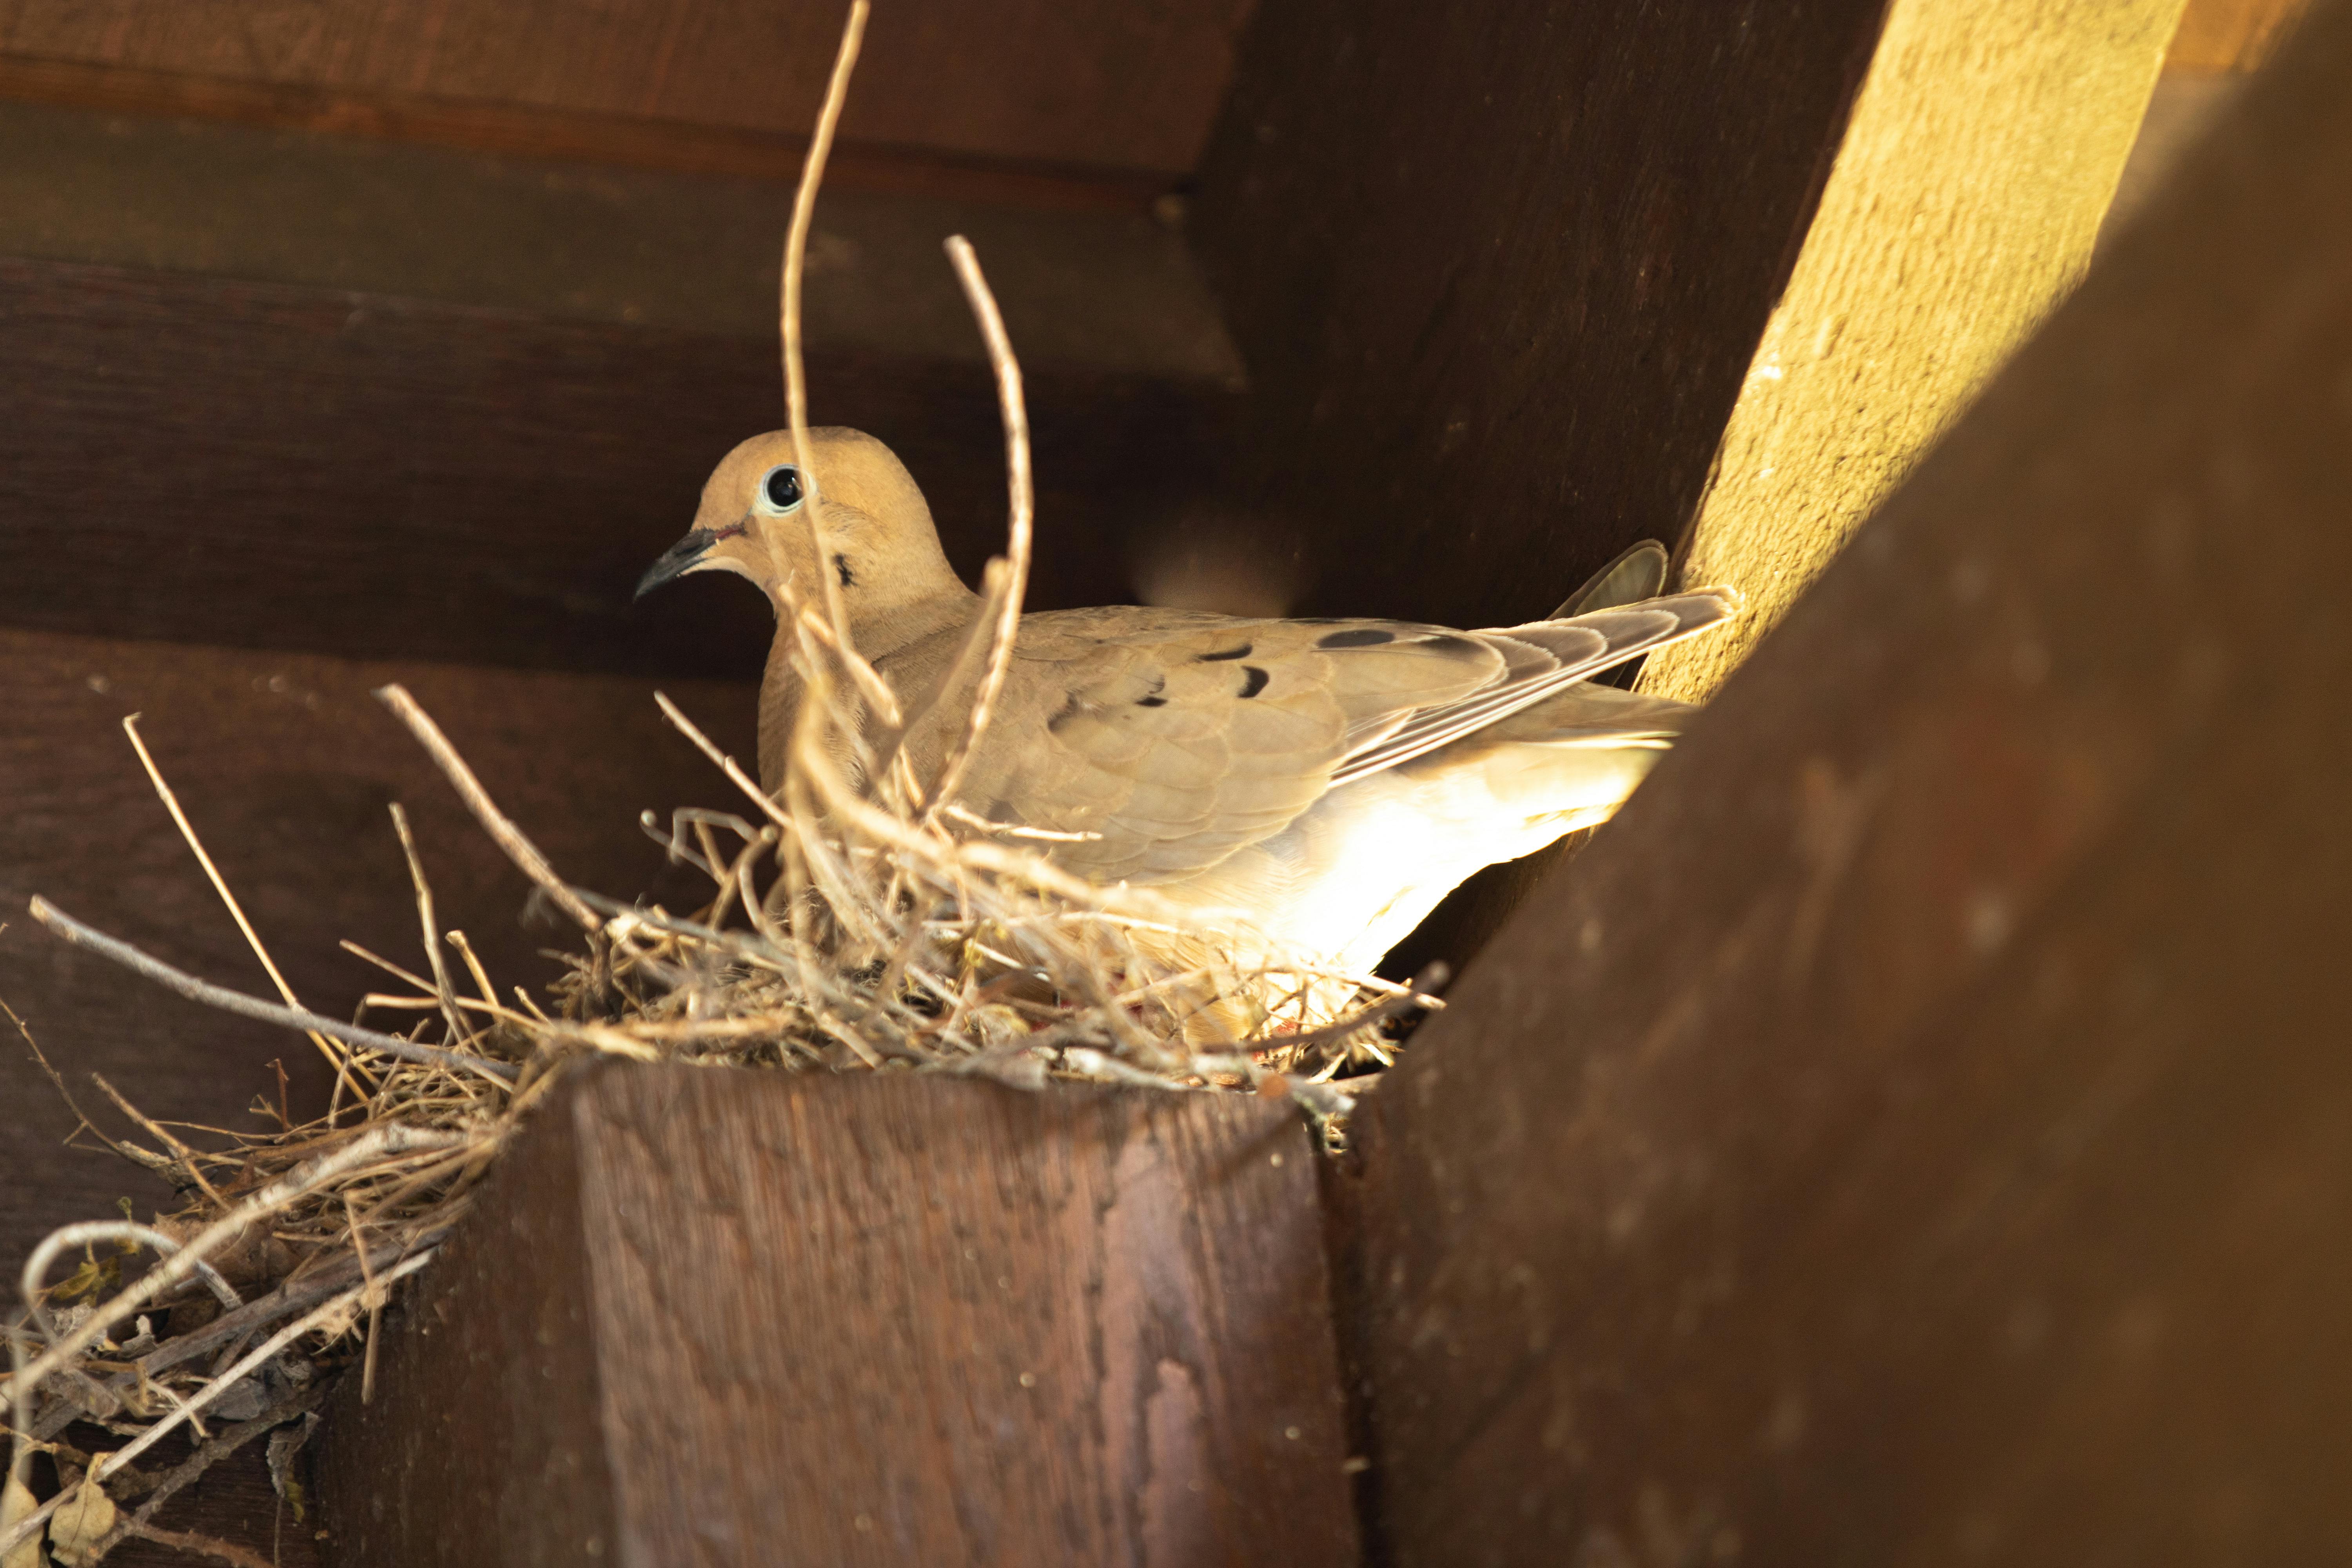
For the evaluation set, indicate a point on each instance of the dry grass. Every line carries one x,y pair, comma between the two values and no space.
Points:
857,921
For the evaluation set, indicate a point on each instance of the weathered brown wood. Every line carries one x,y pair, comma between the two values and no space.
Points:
1104,291
1497,282
715,1317
1914,1133
286,765
260,463
1106,84
531,132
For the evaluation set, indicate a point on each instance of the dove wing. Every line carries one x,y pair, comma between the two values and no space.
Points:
1167,740
1171,740
1545,657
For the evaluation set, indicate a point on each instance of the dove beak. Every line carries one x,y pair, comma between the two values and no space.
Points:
678,559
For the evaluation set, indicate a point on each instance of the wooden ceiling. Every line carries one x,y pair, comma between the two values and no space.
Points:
1099,86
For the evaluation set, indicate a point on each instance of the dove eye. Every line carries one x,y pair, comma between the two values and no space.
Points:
780,491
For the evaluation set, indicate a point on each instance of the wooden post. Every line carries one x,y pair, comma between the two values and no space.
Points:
717,1317
1915,1134
1984,148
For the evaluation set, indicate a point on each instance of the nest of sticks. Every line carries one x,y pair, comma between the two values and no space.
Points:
856,922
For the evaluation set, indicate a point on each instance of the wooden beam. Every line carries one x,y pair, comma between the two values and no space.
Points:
286,765
210,461
530,130
717,1317
1498,282
1915,1134
1098,291
1984,148
1125,89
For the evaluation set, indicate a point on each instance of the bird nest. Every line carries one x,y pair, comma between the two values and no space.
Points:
857,933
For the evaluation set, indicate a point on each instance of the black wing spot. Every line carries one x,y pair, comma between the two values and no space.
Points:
1360,637
1449,642
1254,679
841,565
1152,702
1242,652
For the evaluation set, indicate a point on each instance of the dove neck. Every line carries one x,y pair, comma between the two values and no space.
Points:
881,630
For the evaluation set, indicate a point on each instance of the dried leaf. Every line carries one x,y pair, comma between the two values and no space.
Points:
17,1502
82,1522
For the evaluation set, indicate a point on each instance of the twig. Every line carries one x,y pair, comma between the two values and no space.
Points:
220,884
1022,506
189,1541
494,822
187,1156
237,1001
210,1391
1428,980
868,682
291,1296
442,989
367,1146
57,1079
230,1439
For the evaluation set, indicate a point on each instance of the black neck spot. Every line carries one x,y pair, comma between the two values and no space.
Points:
841,565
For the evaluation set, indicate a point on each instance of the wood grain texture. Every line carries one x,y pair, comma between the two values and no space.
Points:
207,460
571,135
1100,83
1103,291
1497,282
1915,1134
286,765
848,1320
1984,148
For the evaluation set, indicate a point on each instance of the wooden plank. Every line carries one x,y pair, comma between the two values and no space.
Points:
209,460
1498,282
1104,84
1984,148
1914,1135
716,1317
286,766
572,135
1107,291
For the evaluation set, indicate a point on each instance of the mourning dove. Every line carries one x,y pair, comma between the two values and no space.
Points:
1323,783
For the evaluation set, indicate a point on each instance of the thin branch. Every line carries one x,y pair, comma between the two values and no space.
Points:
442,989
495,822
1022,507
795,265
187,1156
220,884
237,1001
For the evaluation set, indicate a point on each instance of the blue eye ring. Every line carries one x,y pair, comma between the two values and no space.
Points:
780,491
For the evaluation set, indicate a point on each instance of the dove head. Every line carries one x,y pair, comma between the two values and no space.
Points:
878,541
